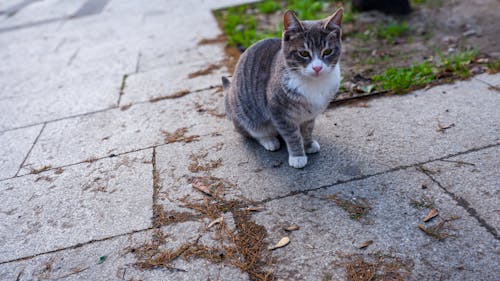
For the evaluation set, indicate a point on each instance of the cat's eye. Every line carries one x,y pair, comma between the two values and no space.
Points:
327,52
304,54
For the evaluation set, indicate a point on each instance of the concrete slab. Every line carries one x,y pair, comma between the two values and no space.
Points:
84,263
15,146
493,80
121,130
57,97
63,207
474,178
39,11
328,239
355,142
144,86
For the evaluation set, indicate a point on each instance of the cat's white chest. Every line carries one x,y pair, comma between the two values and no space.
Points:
317,92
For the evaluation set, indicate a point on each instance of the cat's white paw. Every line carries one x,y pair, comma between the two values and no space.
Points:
270,143
297,161
313,148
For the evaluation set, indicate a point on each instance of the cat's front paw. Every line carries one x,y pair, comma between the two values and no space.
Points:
270,143
313,147
297,161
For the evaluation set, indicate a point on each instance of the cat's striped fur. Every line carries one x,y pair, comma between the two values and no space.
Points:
280,86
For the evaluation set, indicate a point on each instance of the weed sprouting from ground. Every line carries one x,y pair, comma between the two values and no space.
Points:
392,30
458,63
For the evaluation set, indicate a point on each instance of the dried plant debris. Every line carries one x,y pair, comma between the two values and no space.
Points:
207,70
432,214
209,185
162,217
282,243
45,178
196,164
40,169
59,171
357,208
255,208
377,266
175,95
216,221
292,227
423,202
365,244
179,135
243,247
442,128
439,230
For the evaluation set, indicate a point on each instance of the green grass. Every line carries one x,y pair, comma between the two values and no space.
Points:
268,7
392,30
401,80
458,63
493,66
241,27
307,9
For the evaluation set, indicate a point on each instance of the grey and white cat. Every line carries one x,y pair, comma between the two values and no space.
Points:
281,86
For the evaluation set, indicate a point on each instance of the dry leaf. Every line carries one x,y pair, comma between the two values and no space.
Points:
214,222
292,227
309,246
255,209
432,214
365,244
282,243
197,184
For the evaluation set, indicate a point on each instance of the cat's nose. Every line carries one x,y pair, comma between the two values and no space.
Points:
317,68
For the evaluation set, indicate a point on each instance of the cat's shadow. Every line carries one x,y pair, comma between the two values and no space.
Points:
329,166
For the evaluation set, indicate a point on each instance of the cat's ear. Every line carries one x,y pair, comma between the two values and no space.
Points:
291,22
335,20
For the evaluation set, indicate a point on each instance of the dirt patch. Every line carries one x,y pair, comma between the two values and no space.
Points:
374,42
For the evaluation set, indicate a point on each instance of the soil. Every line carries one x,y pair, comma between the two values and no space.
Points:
447,26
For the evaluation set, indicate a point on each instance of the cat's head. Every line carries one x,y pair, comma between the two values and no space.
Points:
312,48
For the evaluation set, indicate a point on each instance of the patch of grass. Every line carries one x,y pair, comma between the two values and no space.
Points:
355,208
402,80
268,7
493,66
308,9
392,30
458,63
240,23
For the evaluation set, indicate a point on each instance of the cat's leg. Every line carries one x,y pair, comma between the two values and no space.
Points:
310,145
267,137
291,134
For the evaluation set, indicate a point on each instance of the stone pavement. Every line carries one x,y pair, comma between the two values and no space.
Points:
106,143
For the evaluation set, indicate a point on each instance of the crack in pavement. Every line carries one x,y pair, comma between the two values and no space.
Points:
79,245
29,151
464,204
460,201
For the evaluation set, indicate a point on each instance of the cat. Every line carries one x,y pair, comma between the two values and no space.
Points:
281,85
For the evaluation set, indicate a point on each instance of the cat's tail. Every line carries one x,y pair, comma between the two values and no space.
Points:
225,83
